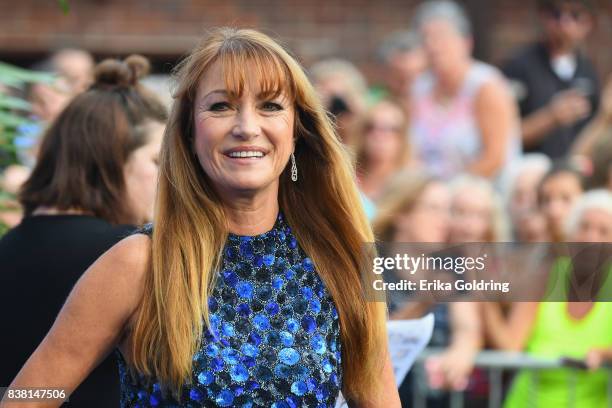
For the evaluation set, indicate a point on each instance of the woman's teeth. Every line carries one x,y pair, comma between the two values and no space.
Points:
246,154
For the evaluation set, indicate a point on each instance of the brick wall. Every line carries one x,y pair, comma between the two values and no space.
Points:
166,29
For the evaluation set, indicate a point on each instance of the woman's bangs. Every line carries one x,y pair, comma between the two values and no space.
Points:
266,69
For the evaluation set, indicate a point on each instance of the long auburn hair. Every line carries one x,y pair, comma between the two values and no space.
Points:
323,209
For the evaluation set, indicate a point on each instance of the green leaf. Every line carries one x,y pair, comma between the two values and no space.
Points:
12,120
11,102
11,75
11,82
5,195
9,148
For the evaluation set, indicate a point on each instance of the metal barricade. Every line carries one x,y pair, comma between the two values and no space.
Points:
496,362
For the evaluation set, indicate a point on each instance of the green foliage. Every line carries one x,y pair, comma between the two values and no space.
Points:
13,110
3,228
17,77
5,198
13,113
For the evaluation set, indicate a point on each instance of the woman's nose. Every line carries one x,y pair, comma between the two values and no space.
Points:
247,126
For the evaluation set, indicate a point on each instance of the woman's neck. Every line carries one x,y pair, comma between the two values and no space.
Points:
449,84
375,178
250,215
378,172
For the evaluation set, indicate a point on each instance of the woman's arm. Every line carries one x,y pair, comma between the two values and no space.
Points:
390,396
592,134
91,322
412,310
597,127
596,357
496,116
509,333
452,368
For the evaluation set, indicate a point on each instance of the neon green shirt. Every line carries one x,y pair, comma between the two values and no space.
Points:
557,334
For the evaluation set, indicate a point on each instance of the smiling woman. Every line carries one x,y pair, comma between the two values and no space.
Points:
243,137
246,290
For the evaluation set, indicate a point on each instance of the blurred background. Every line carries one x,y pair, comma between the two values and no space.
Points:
166,30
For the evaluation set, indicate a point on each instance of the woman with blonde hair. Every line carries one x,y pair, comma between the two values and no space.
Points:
415,209
381,147
343,91
477,212
246,290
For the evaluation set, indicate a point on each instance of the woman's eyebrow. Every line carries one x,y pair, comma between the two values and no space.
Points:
216,91
281,96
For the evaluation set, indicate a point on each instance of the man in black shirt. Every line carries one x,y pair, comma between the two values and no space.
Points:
555,84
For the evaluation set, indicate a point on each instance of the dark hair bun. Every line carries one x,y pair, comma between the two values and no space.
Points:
113,72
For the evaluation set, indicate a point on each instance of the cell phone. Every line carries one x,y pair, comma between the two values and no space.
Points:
584,86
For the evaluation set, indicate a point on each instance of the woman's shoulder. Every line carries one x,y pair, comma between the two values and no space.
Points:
128,259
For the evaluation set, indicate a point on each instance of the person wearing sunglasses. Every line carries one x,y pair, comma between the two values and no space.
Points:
555,83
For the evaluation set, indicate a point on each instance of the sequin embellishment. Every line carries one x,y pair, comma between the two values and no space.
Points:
274,338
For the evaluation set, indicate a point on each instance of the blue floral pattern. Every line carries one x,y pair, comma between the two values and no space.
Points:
274,336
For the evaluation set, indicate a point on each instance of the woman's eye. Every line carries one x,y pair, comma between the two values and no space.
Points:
272,106
219,107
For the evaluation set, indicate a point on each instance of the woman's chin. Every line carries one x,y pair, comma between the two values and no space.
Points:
248,185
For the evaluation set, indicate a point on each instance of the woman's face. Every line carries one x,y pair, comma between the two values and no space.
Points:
140,174
531,227
383,134
242,143
48,100
471,215
402,69
525,193
594,226
445,47
558,195
428,220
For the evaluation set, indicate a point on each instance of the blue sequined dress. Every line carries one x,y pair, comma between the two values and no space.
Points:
274,339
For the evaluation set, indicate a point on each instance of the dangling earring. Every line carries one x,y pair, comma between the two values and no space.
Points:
293,168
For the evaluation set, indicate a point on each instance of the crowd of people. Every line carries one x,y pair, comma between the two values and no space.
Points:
448,149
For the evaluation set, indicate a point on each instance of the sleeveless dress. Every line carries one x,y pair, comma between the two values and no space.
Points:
447,138
274,339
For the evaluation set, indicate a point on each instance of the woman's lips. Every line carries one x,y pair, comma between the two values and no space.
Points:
246,153
243,154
